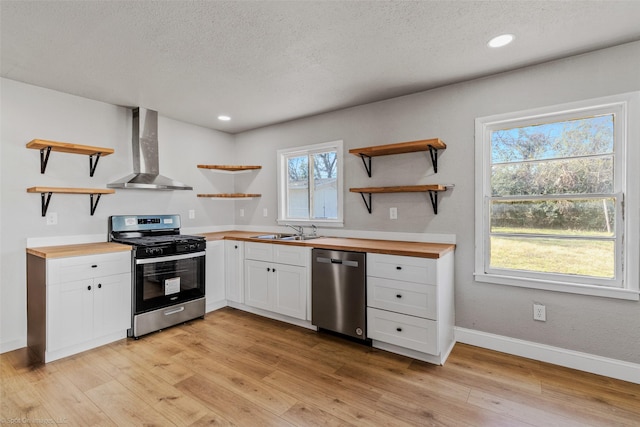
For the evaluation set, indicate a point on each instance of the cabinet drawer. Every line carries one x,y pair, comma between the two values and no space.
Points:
402,297
402,330
60,270
292,255
258,251
408,269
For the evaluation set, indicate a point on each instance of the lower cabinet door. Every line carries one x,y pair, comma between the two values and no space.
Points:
403,330
69,314
290,296
112,304
257,292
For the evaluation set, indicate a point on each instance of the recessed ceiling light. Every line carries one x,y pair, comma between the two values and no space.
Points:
501,40
224,118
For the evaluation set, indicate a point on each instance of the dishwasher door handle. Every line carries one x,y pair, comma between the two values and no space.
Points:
347,263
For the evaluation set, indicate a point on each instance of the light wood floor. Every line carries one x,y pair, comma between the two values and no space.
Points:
234,368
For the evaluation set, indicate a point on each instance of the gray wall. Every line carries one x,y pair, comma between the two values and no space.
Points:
600,326
30,112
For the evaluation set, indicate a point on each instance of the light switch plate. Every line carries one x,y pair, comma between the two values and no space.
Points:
241,212
393,213
265,212
192,214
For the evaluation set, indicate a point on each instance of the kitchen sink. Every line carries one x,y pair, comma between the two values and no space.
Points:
300,237
285,236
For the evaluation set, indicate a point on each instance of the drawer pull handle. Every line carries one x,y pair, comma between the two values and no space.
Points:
398,268
398,296
89,287
399,329
94,266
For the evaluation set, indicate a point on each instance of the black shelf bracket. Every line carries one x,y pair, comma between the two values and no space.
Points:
45,198
368,205
434,158
44,159
92,204
92,166
433,195
367,166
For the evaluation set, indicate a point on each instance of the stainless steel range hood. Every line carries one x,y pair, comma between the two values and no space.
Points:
146,170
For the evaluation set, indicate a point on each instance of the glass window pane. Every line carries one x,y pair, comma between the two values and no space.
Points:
582,137
567,217
325,186
595,258
298,187
571,176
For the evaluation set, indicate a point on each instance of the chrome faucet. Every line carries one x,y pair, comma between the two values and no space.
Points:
314,229
298,228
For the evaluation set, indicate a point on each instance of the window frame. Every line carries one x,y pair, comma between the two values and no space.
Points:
626,154
282,155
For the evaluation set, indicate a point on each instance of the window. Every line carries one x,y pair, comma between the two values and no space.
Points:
550,199
310,184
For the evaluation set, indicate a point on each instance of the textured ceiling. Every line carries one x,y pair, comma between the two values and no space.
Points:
268,62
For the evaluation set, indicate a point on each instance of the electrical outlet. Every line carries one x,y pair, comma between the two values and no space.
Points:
265,213
192,214
539,312
241,212
52,218
393,213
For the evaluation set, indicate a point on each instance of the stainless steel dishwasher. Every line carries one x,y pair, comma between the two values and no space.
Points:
338,292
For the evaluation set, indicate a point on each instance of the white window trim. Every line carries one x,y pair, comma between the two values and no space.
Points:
282,182
629,111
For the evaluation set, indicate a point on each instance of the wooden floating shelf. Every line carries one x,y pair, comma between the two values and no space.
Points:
431,189
46,147
231,168
430,145
400,189
230,196
400,148
46,192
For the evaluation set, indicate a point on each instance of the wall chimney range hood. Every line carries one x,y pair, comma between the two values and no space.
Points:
146,170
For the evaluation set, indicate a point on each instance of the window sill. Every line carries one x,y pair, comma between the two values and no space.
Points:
598,291
307,222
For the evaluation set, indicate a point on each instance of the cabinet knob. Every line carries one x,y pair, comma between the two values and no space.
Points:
398,296
268,269
398,268
94,266
399,329
274,270
89,287
99,285
236,246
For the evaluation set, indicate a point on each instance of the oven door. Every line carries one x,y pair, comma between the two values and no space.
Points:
164,281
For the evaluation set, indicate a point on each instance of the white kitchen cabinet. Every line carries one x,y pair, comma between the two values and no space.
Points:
77,303
215,275
276,278
233,268
410,305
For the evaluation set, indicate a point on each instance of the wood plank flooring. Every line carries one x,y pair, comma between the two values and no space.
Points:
235,368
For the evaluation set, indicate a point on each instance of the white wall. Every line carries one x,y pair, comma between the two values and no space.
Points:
30,112
599,326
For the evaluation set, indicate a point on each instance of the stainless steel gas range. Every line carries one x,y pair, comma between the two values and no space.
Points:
168,270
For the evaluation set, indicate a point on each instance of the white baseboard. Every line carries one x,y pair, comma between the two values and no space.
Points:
613,368
7,346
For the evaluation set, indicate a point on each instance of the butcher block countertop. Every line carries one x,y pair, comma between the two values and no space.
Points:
81,249
390,247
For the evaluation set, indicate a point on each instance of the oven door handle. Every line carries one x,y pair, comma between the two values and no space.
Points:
155,260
